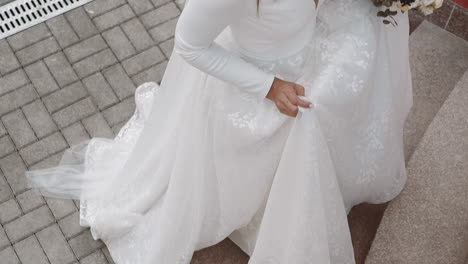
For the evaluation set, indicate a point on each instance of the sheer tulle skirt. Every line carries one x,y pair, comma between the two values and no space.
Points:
201,160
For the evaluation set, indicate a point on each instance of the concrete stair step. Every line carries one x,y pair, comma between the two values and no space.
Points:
428,222
364,219
438,60
225,252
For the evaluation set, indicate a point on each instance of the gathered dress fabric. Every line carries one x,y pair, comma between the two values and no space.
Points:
206,156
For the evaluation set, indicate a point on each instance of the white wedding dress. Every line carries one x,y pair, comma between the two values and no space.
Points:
206,156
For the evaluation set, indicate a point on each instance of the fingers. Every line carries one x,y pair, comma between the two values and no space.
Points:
294,99
300,90
303,103
287,99
286,107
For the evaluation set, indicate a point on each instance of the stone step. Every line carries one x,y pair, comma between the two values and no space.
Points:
438,60
427,222
364,219
225,252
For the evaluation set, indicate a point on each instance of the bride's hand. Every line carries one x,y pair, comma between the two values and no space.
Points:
286,96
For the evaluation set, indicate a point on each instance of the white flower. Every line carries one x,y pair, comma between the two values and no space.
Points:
428,6
395,6
415,4
438,3
398,5
432,3
426,10
427,2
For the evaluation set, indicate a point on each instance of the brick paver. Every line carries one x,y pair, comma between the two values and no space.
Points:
61,82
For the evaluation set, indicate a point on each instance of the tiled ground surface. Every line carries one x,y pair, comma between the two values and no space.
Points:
62,82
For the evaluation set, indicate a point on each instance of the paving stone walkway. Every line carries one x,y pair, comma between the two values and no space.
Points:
64,81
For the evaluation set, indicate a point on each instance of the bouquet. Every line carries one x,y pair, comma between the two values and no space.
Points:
391,7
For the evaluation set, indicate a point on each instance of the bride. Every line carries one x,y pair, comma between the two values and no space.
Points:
272,120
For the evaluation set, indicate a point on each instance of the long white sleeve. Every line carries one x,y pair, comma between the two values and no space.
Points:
199,24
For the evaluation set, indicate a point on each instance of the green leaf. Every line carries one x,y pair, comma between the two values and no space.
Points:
382,14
